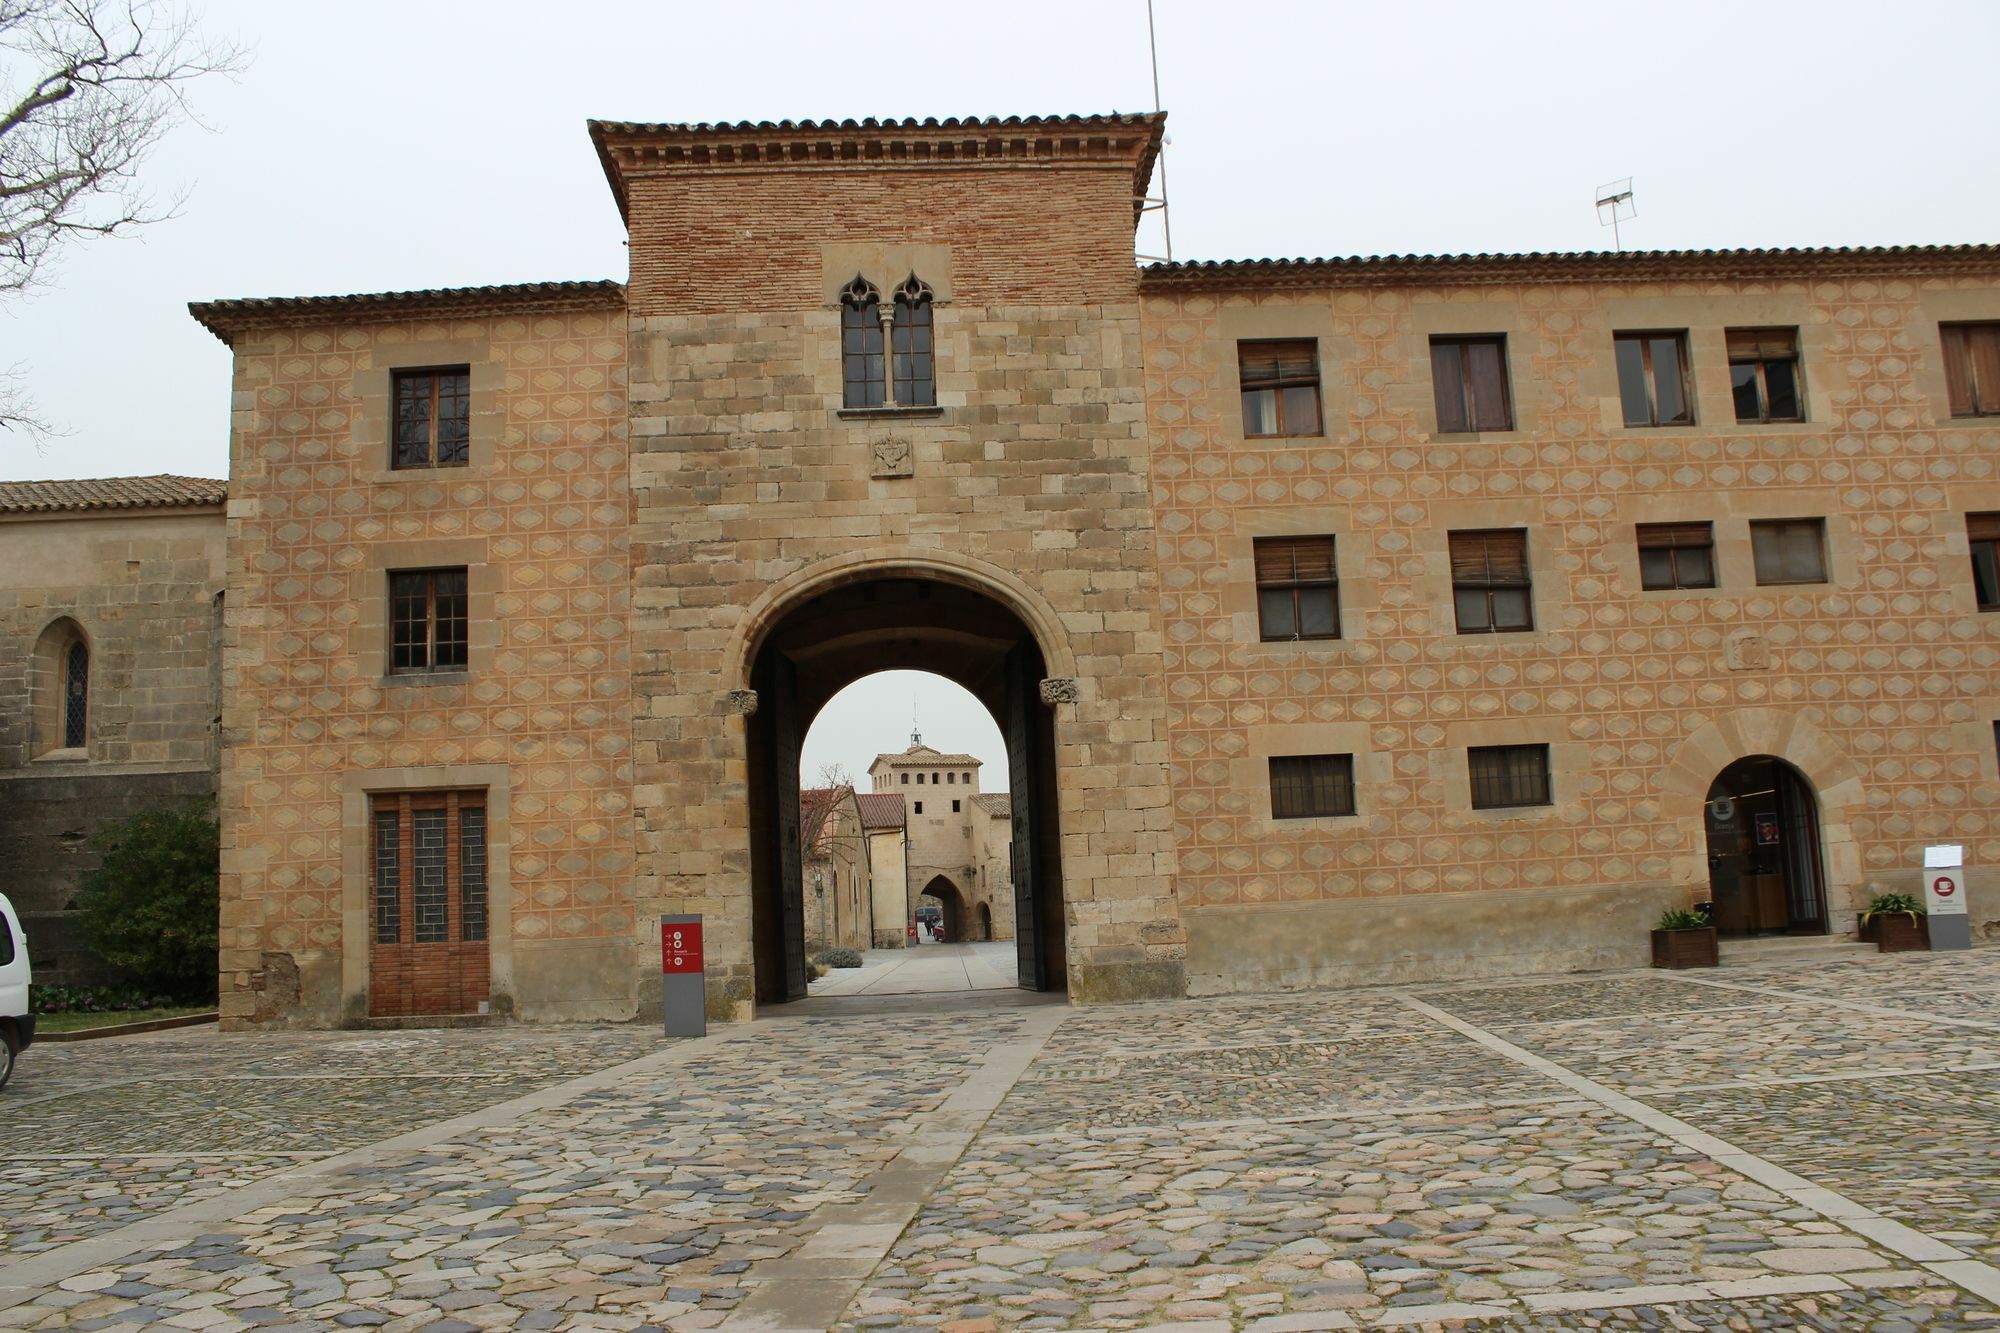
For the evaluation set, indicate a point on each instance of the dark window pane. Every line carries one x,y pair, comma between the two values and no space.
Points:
1695,567
1789,551
1473,613
1317,619
1669,386
1632,382
388,877
472,873
430,894
1510,609
1781,383
915,384
450,617
413,421
1656,568
454,418
1275,614
1508,775
1743,383
409,612
862,354
1986,574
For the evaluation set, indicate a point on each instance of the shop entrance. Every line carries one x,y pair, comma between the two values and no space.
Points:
1765,869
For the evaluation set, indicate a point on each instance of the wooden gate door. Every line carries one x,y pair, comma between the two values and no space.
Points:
785,783
428,953
1022,735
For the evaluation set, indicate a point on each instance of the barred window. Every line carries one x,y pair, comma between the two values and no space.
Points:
1789,550
429,867
1310,786
1983,531
1469,379
1508,775
1676,555
429,614
1298,588
76,696
433,417
1490,588
1280,382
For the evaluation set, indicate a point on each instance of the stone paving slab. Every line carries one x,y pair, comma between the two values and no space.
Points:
1580,998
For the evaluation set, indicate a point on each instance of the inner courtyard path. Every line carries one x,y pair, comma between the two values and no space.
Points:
926,969
1794,1144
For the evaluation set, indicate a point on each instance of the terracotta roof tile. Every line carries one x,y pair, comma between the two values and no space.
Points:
881,809
226,318
159,492
999,804
1384,270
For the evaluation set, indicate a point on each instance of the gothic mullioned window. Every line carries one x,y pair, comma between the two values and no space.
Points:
76,696
887,354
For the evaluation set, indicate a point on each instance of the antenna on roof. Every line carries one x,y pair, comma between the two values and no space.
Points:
1614,205
1148,204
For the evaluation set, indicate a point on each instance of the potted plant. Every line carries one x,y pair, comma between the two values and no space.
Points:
1895,923
1684,938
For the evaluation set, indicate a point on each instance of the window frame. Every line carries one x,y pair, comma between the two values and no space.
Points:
462,924
1491,583
1768,525
1762,381
76,695
431,460
1464,383
913,315
1298,585
1669,531
1492,753
1645,339
1963,383
1279,382
1311,786
1982,530
431,665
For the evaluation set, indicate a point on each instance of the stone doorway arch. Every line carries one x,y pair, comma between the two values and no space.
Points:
951,901
1765,861
985,921
853,622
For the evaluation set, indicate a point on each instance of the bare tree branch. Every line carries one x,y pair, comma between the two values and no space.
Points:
88,88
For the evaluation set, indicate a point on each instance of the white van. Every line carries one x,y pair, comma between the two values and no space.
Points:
17,1025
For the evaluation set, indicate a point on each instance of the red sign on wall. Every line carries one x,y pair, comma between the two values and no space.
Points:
680,948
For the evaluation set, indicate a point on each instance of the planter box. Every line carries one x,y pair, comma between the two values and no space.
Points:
1896,932
1685,948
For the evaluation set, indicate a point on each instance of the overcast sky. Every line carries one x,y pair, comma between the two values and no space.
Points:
380,146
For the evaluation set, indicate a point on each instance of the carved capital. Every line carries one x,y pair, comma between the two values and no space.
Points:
740,702
1059,690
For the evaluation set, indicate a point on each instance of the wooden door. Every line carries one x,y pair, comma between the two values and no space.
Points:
428,952
1022,734
785,783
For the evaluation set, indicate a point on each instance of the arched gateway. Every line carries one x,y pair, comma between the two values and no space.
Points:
884,620
1766,872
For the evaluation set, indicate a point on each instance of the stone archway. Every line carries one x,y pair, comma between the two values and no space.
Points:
1746,734
952,901
861,619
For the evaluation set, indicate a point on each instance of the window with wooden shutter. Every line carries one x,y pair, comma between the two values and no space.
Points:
1312,786
1983,532
1972,368
1676,555
1469,380
1508,775
1280,382
433,426
1298,588
1653,378
1764,374
1789,550
1490,588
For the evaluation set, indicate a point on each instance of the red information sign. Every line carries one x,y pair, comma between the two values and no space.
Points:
1944,886
680,948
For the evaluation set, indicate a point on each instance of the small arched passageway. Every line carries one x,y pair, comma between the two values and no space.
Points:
951,908
914,620
985,922
1766,865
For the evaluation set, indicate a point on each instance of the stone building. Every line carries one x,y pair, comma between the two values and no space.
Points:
886,821
110,605
952,857
1346,620
839,898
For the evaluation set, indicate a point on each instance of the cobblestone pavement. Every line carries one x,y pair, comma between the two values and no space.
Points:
1786,1146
